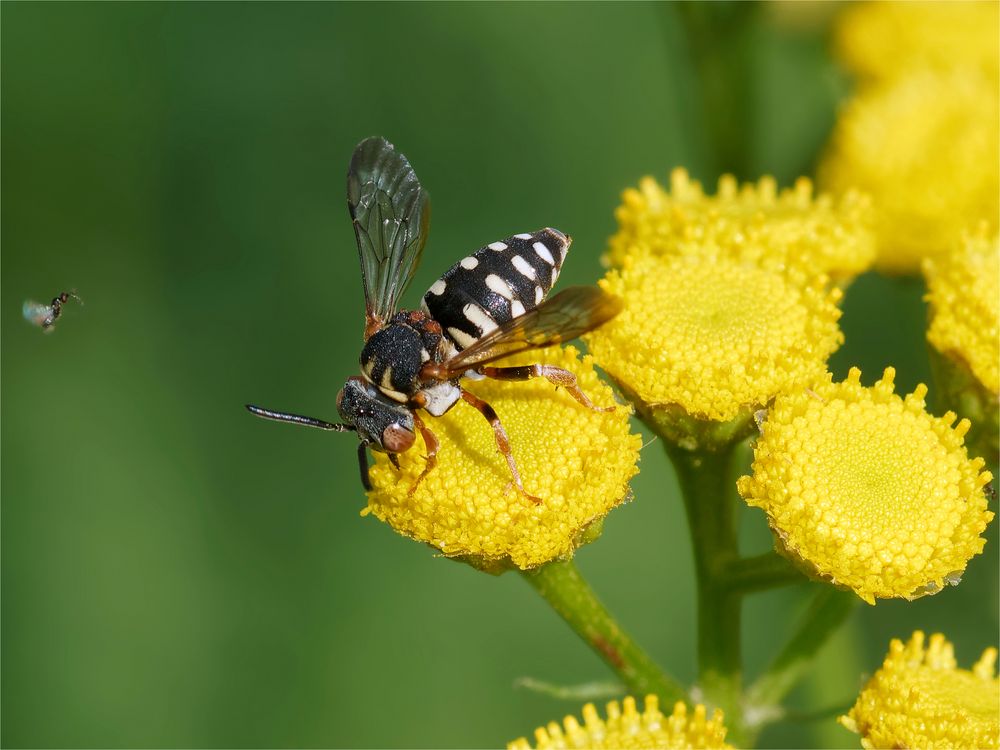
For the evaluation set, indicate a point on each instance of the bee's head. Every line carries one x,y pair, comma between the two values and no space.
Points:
382,423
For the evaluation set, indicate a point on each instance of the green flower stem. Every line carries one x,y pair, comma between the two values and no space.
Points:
709,498
828,610
766,571
562,586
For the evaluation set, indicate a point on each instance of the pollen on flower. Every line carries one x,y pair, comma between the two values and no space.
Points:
867,490
754,223
714,336
963,289
627,727
884,40
919,698
578,461
926,148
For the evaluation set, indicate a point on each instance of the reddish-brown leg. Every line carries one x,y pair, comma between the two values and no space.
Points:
503,443
432,445
555,375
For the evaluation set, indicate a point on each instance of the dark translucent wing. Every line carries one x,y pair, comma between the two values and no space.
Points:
565,316
391,213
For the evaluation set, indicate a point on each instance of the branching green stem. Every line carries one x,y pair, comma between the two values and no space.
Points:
766,571
562,586
709,500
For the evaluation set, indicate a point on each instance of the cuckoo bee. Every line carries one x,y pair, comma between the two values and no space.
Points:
486,307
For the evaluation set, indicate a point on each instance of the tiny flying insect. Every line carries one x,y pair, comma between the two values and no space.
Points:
45,316
488,306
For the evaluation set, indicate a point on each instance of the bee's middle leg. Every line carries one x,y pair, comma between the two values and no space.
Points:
503,442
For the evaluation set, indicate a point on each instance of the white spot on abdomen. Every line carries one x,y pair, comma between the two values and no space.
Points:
516,309
538,295
478,317
501,287
524,267
544,253
497,246
438,287
523,236
460,337
469,263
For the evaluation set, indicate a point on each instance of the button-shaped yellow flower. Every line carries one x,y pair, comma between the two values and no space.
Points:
888,39
867,490
713,337
626,727
963,289
577,460
920,699
750,223
926,148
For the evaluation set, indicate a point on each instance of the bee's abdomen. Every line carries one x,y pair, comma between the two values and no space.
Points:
495,284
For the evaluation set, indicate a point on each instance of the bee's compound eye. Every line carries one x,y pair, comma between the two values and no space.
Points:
340,398
397,439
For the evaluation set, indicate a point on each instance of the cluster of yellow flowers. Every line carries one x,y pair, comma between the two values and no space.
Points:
861,487
731,309
921,134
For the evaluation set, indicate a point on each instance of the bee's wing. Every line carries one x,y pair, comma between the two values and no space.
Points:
391,214
565,316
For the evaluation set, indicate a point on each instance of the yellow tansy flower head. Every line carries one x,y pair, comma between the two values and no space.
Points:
626,728
925,147
920,699
750,223
887,39
713,338
578,461
963,289
867,490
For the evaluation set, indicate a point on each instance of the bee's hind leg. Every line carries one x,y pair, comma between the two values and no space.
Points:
503,442
555,375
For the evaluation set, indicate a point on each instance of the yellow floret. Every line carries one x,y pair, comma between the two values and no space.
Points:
867,490
925,147
578,461
888,39
627,728
750,223
963,289
920,699
715,338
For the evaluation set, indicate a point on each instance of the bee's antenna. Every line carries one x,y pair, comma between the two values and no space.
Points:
279,416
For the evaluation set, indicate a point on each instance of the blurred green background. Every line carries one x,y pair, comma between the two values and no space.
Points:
177,573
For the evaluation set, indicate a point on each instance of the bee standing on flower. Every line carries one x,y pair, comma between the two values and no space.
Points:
488,306
45,316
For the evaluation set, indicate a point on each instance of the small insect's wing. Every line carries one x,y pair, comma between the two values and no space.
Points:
38,314
391,214
565,316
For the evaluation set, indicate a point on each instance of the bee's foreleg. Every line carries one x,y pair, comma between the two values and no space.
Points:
432,445
555,375
503,442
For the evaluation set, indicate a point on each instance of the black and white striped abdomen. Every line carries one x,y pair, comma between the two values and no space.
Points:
495,284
